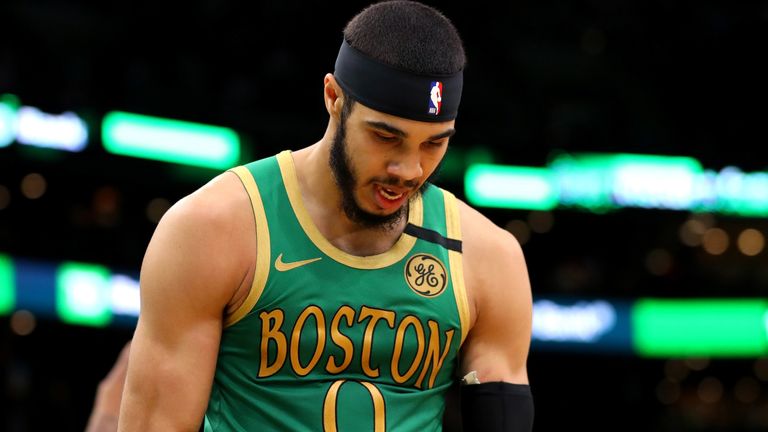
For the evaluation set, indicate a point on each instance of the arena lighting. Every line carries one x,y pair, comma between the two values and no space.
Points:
457,159
626,180
581,325
581,322
75,293
64,131
582,181
124,292
30,126
738,192
8,107
82,294
169,140
647,181
601,182
7,285
510,187
700,328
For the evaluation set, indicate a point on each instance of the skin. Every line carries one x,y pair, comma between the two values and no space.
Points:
199,265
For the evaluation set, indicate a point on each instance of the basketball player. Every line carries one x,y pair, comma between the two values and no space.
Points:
334,288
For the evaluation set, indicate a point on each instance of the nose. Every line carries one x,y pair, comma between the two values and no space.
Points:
406,166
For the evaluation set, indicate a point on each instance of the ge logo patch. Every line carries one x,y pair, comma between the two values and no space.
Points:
426,275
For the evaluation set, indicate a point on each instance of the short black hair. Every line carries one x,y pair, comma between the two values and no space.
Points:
407,35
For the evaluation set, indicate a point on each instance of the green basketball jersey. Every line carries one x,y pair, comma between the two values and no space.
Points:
329,341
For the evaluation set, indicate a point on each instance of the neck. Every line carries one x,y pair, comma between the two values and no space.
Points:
322,198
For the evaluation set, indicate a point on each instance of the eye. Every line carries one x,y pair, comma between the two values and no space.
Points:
386,138
436,143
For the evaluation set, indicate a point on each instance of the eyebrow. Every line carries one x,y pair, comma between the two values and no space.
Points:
402,134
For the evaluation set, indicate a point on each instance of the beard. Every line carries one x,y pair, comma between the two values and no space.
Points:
347,181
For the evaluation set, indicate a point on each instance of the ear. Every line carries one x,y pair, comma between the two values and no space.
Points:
332,95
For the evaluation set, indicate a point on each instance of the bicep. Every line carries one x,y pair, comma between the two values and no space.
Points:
173,353
498,342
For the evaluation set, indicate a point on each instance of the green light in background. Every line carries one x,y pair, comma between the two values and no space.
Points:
9,104
652,181
700,328
7,285
11,100
585,180
479,155
170,140
452,165
83,294
605,181
745,194
510,187
457,159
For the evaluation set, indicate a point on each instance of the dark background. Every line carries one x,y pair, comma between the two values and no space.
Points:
653,77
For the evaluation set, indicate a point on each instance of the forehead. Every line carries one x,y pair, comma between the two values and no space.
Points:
364,115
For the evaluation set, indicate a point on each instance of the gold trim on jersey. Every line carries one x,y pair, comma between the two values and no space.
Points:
395,254
263,260
453,225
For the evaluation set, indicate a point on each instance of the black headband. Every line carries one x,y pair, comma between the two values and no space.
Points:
431,98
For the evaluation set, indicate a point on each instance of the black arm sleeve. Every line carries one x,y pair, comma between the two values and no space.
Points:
496,407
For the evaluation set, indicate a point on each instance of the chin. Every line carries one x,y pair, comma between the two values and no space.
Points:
385,212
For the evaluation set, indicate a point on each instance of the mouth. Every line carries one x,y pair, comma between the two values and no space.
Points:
390,194
388,197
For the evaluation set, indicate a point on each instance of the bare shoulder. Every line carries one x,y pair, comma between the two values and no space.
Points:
216,206
480,231
485,243
206,239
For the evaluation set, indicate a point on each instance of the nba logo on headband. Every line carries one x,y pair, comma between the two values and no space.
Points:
398,92
435,97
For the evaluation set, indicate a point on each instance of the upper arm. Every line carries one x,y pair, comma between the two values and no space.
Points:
189,274
501,305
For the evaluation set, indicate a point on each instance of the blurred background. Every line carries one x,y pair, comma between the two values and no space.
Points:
622,142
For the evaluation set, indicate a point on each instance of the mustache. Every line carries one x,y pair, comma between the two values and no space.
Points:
394,181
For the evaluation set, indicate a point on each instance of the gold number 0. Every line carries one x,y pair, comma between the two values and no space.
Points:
329,406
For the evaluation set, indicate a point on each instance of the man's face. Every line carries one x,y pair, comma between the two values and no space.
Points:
380,162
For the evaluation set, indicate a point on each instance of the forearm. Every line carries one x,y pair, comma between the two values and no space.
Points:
146,419
169,380
162,401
